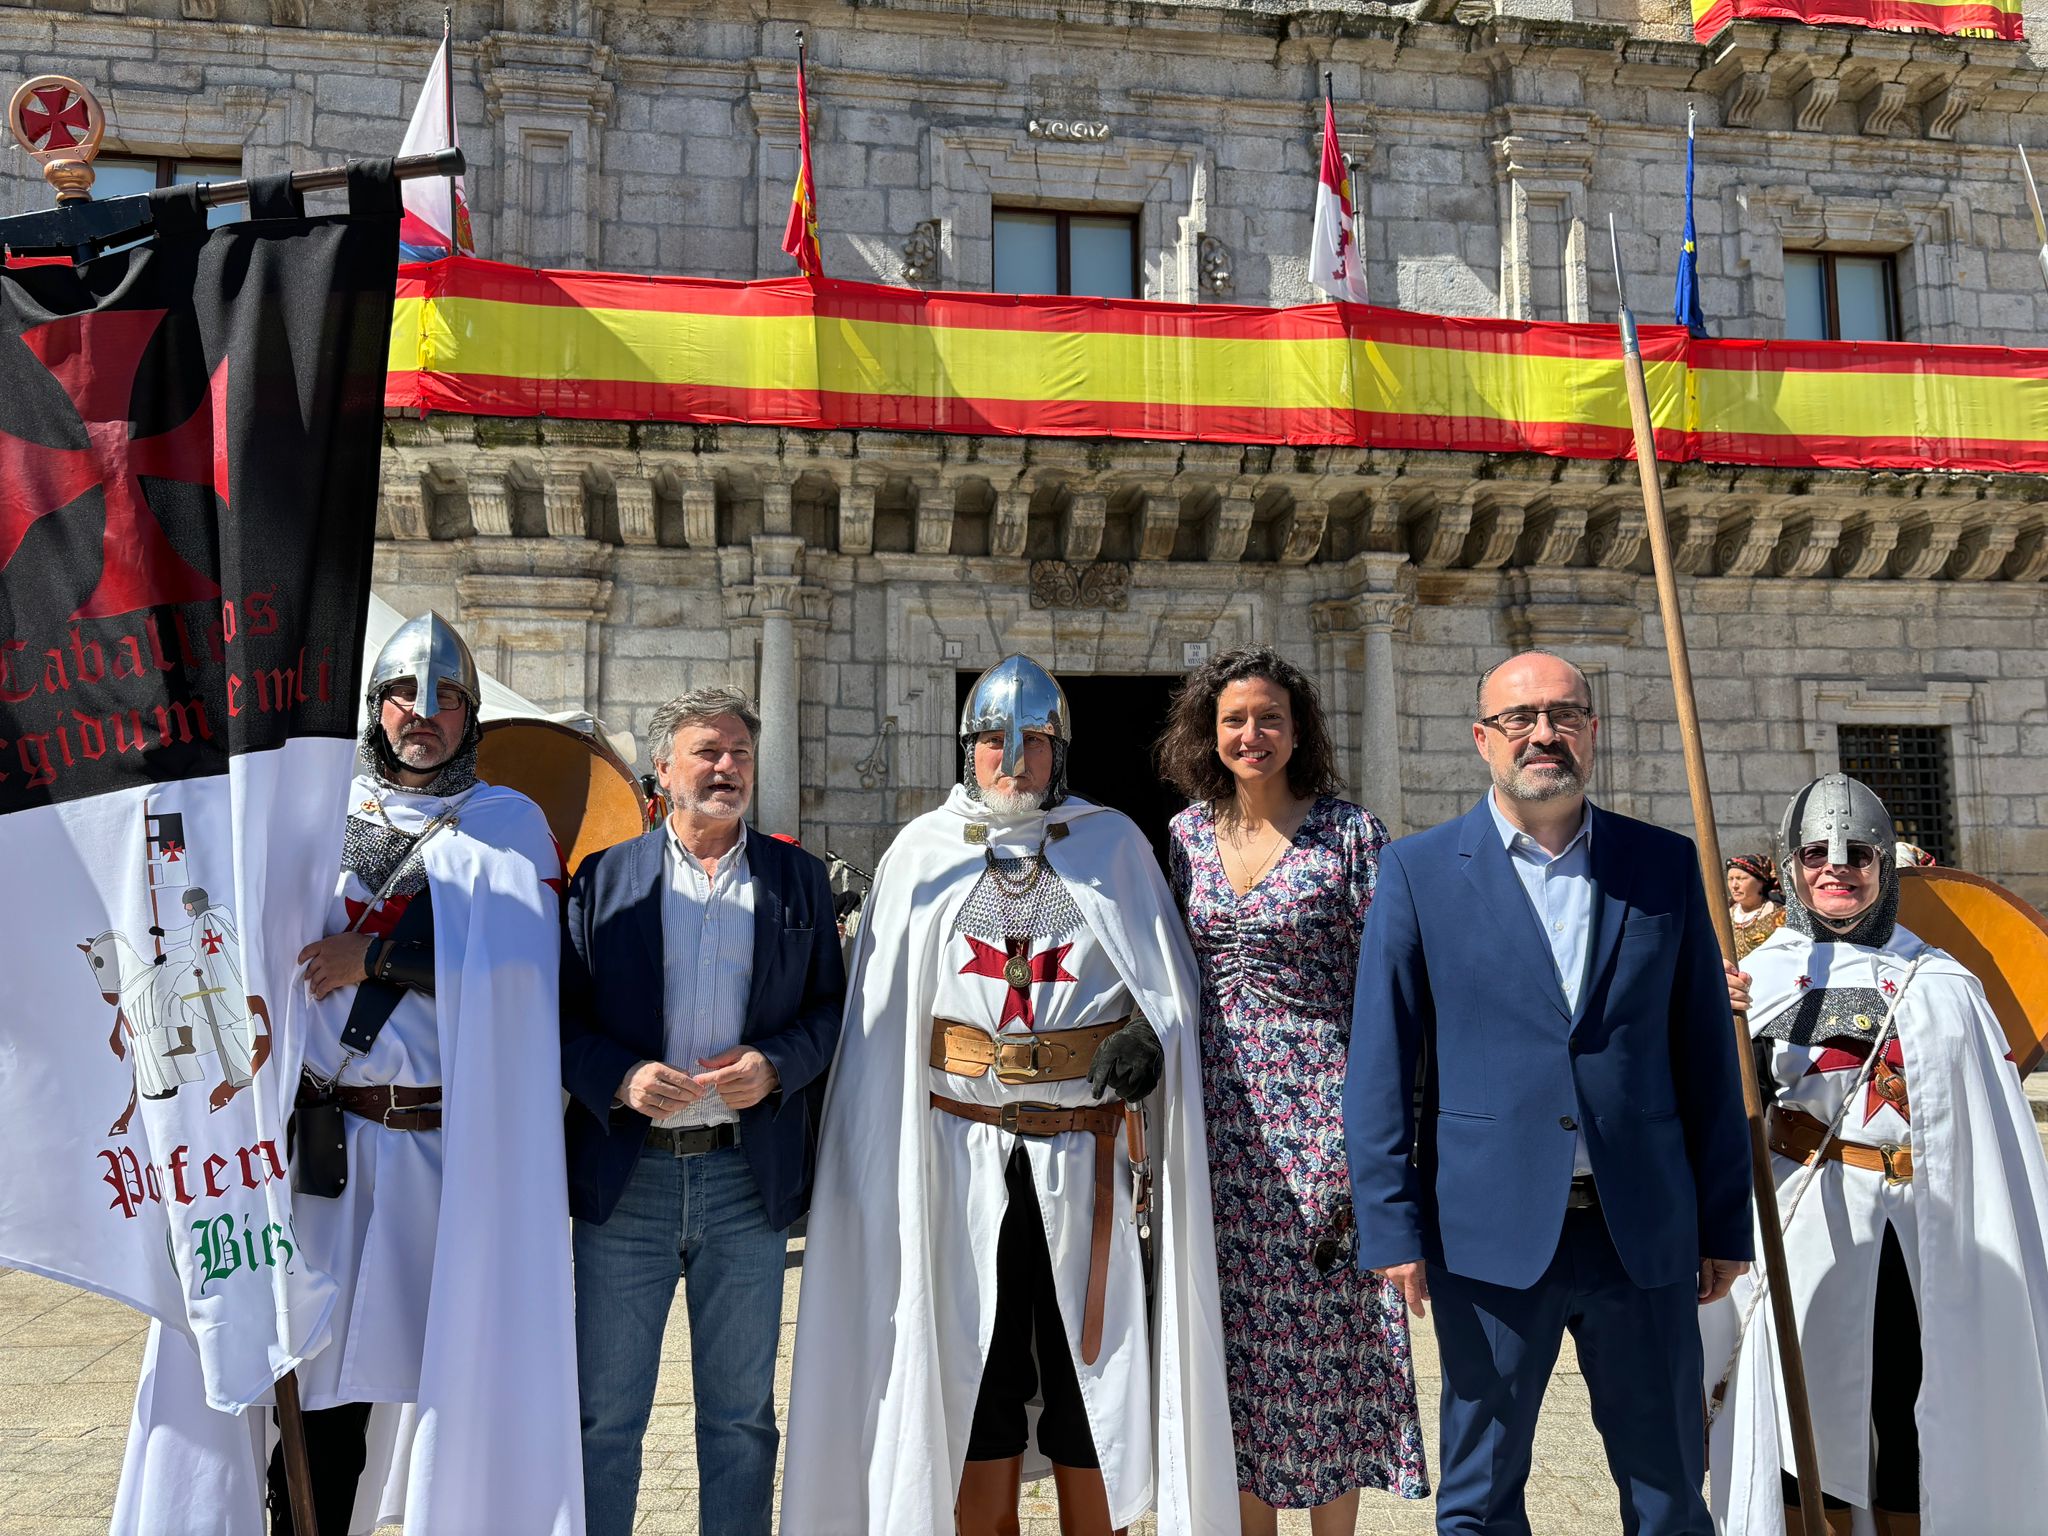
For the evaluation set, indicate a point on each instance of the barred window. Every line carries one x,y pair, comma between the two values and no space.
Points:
1908,767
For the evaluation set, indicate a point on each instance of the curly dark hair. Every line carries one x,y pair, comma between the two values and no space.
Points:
1186,751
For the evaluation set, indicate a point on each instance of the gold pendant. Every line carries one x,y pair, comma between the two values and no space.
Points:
975,832
1861,1021
1017,972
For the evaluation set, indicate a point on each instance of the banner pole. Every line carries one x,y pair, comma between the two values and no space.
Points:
298,1469
448,105
1792,1363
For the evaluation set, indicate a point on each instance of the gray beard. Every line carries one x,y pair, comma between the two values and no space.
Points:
1556,787
1009,803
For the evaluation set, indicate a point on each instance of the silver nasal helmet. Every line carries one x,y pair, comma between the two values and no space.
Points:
1016,696
428,652
1838,810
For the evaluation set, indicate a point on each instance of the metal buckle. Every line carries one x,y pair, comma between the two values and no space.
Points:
1035,1063
396,1108
1886,1152
1006,1117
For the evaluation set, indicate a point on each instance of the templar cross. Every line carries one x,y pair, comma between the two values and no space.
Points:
1019,968
54,117
212,941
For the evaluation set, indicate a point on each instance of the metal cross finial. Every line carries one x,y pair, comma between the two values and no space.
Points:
60,124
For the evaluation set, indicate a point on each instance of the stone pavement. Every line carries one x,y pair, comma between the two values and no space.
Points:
67,1375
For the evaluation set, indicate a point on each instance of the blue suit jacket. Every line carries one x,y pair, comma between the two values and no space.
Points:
613,1015
1454,973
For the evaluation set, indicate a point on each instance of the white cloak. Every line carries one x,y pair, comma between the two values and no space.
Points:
488,1442
1973,1226
889,1352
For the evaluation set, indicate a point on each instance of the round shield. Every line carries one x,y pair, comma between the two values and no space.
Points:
2002,940
587,793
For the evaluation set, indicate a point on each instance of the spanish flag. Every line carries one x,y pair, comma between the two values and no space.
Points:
800,234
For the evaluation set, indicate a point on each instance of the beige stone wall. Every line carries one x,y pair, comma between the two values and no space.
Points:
1493,140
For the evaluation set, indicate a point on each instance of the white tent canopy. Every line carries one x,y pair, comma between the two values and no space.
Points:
499,702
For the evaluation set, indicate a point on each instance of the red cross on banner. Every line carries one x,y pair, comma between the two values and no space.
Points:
1021,969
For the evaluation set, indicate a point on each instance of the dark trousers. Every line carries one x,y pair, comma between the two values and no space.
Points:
336,1448
1640,1353
1895,1369
1028,1352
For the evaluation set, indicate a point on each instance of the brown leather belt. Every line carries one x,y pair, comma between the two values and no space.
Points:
1055,1056
1797,1135
1046,1120
395,1106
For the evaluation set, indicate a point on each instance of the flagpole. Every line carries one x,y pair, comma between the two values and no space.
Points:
2034,204
1792,1364
448,104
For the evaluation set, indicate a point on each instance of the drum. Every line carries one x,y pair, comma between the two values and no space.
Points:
2002,940
583,787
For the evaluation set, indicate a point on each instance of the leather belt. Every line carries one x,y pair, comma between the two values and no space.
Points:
1047,1120
1056,1056
395,1106
1582,1196
693,1140
1797,1135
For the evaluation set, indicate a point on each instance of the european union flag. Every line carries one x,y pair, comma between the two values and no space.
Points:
1685,298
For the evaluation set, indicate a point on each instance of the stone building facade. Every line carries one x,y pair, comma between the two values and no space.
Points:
854,578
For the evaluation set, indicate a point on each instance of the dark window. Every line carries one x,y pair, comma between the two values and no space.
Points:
1039,250
1908,767
1829,297
126,175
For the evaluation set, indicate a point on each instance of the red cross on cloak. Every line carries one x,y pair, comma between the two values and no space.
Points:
53,118
1043,966
96,358
1887,1083
212,941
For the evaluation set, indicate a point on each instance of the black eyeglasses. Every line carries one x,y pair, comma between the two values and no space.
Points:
1815,856
1565,719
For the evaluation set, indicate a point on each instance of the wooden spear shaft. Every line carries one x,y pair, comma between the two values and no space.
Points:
298,1470
1792,1364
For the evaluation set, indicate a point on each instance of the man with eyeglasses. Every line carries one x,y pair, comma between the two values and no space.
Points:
1915,1201
1542,1113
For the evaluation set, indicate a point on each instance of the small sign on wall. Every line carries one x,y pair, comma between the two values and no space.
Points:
1193,652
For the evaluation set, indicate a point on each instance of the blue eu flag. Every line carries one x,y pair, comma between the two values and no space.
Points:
1685,298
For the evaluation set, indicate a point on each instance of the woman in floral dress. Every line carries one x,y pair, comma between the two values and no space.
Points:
1274,874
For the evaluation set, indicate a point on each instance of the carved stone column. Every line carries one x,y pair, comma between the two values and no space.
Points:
777,599
1355,652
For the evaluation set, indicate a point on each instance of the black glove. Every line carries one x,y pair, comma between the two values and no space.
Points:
1129,1063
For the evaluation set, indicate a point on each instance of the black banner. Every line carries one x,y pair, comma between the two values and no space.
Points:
189,441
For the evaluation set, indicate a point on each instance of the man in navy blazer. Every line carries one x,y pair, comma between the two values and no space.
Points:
702,982
1542,1114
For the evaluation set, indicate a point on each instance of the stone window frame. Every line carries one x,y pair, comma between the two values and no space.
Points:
1918,231
973,170
1828,703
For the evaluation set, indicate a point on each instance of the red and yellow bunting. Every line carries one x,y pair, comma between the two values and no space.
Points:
483,339
1956,18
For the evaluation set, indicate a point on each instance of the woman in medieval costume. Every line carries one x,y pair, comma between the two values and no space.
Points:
1756,905
1914,1195
975,1308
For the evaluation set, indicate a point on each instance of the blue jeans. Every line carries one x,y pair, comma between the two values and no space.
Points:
698,1217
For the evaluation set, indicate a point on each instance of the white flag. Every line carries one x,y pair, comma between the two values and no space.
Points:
1334,262
436,220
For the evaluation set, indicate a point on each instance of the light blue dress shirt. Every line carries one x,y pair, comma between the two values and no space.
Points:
1560,892
708,965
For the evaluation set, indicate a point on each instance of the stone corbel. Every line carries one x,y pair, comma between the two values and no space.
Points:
634,499
1814,101
288,13
1011,523
199,10
1158,519
406,508
856,531
1228,526
933,521
1945,112
2029,558
1301,530
1693,533
1748,91
1884,109
1924,545
1437,537
490,499
562,500
777,516
1552,532
1747,541
1493,530
697,495
1865,548
1806,545
1614,534
1081,524
1982,550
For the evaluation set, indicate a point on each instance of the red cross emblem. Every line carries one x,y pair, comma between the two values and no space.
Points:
54,117
381,920
1891,988
212,941
96,358
172,852
1803,982
1887,1083
1021,969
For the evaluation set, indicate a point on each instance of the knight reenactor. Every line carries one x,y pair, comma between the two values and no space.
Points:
1023,987
1914,1195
